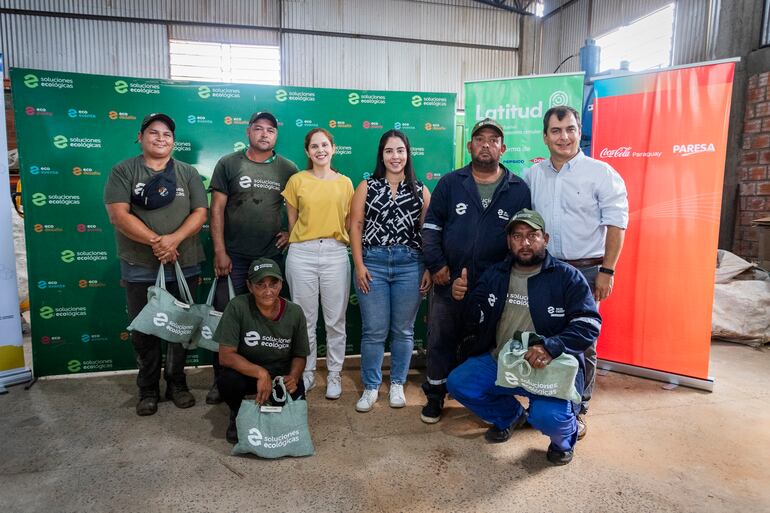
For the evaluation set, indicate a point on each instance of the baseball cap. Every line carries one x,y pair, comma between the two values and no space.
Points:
528,216
263,267
263,115
157,116
487,123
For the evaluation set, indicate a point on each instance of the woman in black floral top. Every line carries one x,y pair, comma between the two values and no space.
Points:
386,215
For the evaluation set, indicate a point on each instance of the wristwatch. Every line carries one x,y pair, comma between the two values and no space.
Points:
607,270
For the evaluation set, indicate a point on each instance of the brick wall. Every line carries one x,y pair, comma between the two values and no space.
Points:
754,168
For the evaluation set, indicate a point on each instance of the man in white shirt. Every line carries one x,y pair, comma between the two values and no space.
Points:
584,203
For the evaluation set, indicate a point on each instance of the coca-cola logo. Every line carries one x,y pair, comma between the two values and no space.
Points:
623,151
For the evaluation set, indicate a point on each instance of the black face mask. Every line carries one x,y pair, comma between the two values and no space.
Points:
159,191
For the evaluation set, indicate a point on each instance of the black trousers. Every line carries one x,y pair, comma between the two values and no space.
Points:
148,348
234,386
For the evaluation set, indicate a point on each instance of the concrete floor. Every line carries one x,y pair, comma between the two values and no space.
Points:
76,445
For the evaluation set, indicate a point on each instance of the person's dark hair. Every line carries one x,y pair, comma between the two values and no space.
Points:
309,135
379,165
560,112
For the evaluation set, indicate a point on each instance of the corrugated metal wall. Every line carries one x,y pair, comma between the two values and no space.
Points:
87,46
338,62
363,44
564,32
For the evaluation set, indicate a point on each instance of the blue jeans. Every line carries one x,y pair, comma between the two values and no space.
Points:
472,383
390,307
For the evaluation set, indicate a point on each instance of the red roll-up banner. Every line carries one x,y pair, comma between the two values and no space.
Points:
665,132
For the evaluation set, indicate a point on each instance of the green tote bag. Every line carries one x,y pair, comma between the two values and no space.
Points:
164,315
557,379
204,335
274,432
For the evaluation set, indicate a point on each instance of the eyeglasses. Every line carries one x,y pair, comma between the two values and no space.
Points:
531,236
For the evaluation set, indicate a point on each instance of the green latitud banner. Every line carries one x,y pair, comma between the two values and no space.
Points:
72,128
519,104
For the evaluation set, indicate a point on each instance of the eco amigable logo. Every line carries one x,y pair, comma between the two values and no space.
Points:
354,98
85,338
31,81
67,256
73,113
558,98
38,199
204,92
239,146
46,312
416,100
121,86
191,118
73,366
60,142
281,95
112,114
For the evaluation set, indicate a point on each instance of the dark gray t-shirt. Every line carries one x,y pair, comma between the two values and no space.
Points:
190,194
266,342
254,211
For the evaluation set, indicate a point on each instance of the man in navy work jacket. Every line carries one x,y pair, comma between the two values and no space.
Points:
464,228
529,291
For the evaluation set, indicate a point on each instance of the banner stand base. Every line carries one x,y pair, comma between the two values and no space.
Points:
14,377
665,377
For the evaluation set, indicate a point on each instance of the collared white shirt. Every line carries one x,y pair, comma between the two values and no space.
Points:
577,204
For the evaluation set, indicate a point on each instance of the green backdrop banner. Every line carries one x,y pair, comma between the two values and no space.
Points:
72,128
519,104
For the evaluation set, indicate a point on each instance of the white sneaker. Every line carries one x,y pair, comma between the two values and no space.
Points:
397,399
368,398
308,377
333,385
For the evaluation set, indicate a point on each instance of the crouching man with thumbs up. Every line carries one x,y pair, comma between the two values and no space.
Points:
529,291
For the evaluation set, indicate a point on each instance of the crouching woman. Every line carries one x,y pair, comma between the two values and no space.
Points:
261,336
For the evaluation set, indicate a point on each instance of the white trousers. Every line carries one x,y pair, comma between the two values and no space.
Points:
321,266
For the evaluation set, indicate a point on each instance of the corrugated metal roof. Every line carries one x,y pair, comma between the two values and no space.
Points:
321,61
85,46
452,22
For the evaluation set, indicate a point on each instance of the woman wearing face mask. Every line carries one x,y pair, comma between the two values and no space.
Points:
318,206
386,216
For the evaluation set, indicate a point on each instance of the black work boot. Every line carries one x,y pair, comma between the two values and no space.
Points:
232,430
180,395
213,397
148,402
431,412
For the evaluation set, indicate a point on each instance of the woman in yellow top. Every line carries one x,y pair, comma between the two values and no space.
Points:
318,205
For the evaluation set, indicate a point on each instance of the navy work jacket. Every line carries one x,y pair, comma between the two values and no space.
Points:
459,232
561,305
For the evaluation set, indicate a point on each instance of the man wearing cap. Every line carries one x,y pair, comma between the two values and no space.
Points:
157,204
585,204
247,211
529,291
464,229
261,336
